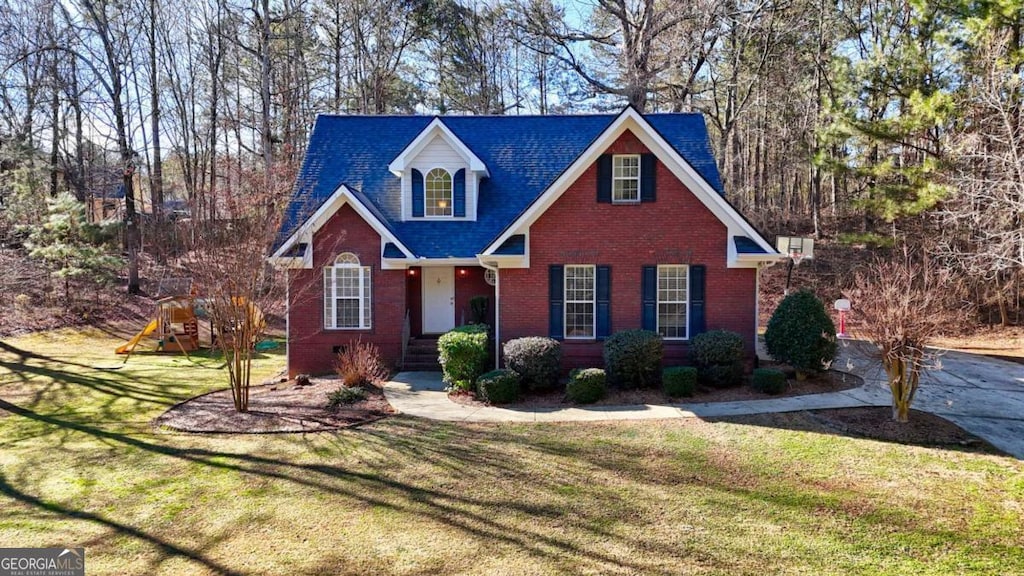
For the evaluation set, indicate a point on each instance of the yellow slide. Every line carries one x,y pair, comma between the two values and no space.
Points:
131,344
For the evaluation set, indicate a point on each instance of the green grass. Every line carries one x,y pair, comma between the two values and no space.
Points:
80,465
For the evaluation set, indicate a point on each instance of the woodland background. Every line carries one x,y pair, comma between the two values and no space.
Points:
867,124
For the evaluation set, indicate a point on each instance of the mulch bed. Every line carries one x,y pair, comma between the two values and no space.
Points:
874,422
278,407
831,381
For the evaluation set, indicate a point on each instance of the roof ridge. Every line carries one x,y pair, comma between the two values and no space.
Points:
498,116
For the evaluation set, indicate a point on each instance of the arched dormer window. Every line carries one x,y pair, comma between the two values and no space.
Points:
346,294
437,198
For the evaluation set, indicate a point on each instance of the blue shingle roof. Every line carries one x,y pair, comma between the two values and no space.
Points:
524,155
514,246
392,251
745,245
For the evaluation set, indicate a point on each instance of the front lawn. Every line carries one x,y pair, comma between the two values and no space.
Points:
80,465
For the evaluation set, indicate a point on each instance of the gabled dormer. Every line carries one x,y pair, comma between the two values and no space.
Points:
440,176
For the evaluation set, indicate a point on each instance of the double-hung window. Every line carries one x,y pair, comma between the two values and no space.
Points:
579,301
347,294
673,301
625,178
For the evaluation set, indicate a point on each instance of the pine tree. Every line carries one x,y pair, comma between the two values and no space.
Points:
70,245
891,104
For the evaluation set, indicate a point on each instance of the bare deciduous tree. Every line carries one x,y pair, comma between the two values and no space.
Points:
901,305
983,223
227,265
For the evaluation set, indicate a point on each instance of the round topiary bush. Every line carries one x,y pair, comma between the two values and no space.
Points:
679,381
632,358
718,355
717,347
769,380
498,387
537,360
586,386
801,334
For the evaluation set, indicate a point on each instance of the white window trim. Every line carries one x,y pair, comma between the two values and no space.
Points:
566,301
345,261
451,195
615,178
658,301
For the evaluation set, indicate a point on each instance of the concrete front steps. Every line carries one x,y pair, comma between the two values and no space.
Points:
421,355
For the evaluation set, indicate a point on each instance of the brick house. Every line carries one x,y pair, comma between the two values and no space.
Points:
572,226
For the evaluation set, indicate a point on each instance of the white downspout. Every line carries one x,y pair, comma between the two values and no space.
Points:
497,312
757,300
287,323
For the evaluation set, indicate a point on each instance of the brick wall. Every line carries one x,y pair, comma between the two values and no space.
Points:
310,346
676,229
470,282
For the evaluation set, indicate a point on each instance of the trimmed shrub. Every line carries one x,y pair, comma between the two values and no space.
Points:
769,380
717,347
632,358
343,396
360,363
463,355
586,385
679,381
718,355
498,387
801,334
537,360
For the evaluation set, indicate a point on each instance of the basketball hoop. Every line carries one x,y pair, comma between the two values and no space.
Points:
799,249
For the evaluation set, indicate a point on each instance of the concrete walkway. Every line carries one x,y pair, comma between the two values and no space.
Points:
982,395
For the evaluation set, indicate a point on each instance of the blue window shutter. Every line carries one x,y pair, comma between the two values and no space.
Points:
604,178
648,169
604,297
697,307
459,193
556,299
649,298
417,193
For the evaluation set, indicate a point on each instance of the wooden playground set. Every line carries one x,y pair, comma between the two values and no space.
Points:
175,323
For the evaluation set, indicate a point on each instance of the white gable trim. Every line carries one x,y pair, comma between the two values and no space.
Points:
436,128
341,196
633,121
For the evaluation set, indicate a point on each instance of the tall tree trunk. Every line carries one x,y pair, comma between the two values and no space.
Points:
116,90
56,132
217,45
76,104
156,175
266,137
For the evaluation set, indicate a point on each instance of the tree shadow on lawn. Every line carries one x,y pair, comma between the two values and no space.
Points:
370,488
492,454
924,429
51,376
167,549
23,356
133,386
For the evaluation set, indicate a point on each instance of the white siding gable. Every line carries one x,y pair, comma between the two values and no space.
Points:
439,154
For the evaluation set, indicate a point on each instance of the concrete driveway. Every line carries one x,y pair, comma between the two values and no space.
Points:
983,395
